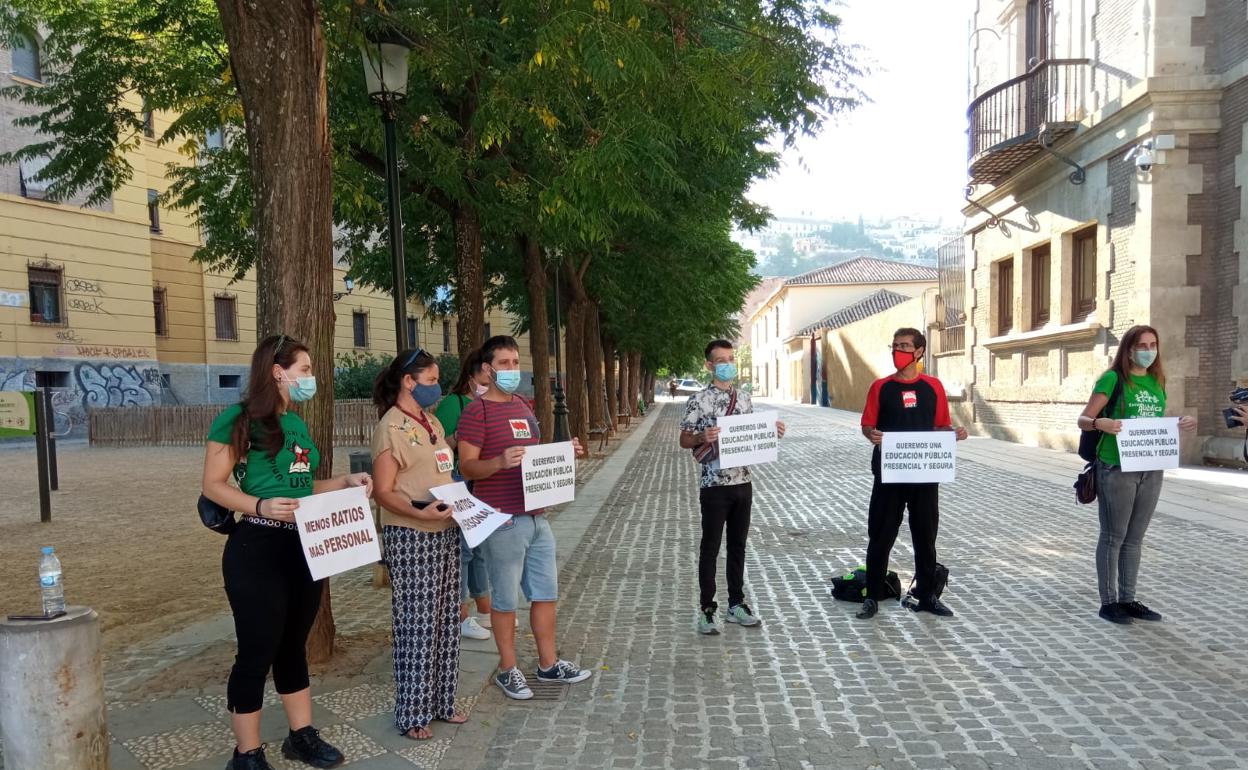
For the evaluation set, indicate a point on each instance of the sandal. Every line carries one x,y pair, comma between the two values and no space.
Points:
418,734
459,718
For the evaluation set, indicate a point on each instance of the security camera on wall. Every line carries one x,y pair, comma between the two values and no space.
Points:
1142,154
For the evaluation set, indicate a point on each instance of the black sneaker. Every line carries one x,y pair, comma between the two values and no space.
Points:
869,608
935,606
307,746
1139,611
1114,613
252,760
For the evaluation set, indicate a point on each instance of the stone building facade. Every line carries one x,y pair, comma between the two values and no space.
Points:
1109,187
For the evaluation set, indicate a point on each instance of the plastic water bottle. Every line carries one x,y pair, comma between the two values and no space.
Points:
50,582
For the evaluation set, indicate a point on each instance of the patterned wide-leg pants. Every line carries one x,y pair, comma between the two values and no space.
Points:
424,571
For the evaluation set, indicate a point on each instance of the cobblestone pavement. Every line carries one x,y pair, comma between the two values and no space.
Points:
1026,675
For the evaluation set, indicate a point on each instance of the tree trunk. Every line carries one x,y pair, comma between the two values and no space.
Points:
626,380
594,381
577,389
469,280
539,336
287,128
634,367
610,380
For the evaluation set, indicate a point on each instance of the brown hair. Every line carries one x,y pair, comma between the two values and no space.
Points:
386,387
917,337
262,403
471,366
1122,360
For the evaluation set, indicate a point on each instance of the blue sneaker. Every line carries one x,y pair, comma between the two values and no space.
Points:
706,622
563,671
513,684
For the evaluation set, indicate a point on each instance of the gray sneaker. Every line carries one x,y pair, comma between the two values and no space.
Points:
743,615
513,684
706,622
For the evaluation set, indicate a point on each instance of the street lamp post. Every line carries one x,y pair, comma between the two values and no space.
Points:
562,432
385,73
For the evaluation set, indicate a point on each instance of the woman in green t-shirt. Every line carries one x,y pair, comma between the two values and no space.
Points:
474,582
1126,499
267,449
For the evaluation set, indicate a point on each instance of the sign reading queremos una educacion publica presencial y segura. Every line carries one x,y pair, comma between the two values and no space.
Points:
476,519
549,473
337,532
1149,444
748,439
918,457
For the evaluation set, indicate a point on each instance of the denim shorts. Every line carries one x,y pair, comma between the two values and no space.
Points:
520,555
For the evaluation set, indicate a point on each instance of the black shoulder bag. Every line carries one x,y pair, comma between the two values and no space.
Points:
1089,443
215,516
708,451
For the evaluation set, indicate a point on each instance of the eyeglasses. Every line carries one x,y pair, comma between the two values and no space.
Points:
904,347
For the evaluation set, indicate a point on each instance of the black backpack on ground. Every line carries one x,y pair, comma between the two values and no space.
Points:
941,578
852,586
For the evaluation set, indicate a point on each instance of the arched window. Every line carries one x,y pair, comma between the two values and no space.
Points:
26,57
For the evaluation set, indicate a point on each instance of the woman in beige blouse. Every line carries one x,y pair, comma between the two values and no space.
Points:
411,456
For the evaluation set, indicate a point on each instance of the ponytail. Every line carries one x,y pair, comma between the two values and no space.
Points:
388,383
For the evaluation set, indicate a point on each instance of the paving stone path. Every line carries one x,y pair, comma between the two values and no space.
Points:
1026,675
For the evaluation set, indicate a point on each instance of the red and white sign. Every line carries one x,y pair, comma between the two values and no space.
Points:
909,399
520,429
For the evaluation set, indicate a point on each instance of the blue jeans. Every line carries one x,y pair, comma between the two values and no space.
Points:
520,555
474,579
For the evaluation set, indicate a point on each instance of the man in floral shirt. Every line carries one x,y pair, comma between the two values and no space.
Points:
725,495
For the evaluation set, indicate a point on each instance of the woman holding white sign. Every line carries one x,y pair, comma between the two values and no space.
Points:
411,456
1136,384
268,450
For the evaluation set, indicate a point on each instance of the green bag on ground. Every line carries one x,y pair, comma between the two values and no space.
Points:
852,586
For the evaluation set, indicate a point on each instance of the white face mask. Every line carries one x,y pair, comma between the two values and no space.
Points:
481,390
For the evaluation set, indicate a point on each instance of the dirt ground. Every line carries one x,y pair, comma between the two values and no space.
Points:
125,528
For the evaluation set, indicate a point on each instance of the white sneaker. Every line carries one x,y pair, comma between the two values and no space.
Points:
471,629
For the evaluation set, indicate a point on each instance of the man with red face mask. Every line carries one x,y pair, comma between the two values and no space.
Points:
904,401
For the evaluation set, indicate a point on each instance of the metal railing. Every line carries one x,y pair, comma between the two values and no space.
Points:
1053,91
951,280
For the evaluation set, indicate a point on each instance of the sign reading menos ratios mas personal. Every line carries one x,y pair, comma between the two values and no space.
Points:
748,439
336,531
918,457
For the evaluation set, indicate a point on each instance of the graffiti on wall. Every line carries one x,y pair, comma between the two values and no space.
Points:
115,385
93,385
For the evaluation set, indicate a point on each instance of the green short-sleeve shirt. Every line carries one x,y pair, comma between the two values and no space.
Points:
1142,397
288,474
449,409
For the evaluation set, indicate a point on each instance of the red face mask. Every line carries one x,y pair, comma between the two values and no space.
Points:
902,359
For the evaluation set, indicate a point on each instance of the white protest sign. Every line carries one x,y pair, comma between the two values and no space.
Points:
477,520
549,473
1149,444
748,439
918,457
337,532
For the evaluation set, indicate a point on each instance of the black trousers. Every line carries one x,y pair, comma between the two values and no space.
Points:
888,505
724,507
274,600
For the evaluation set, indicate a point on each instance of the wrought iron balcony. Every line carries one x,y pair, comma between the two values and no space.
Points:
1014,122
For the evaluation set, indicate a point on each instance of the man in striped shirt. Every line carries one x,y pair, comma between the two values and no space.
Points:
493,433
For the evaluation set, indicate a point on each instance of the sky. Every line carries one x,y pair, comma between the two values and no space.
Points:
905,151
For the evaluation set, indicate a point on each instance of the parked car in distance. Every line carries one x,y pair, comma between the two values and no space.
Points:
689,387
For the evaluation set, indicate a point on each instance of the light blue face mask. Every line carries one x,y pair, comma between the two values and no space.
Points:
301,388
725,372
1144,358
508,380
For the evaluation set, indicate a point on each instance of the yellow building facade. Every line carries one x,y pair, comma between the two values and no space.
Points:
106,306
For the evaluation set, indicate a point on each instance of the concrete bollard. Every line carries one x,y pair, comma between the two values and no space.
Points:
52,693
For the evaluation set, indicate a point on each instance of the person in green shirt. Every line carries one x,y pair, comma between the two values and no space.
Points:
474,583
1126,500
266,449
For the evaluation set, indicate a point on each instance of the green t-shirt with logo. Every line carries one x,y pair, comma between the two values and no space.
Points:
288,474
1143,396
